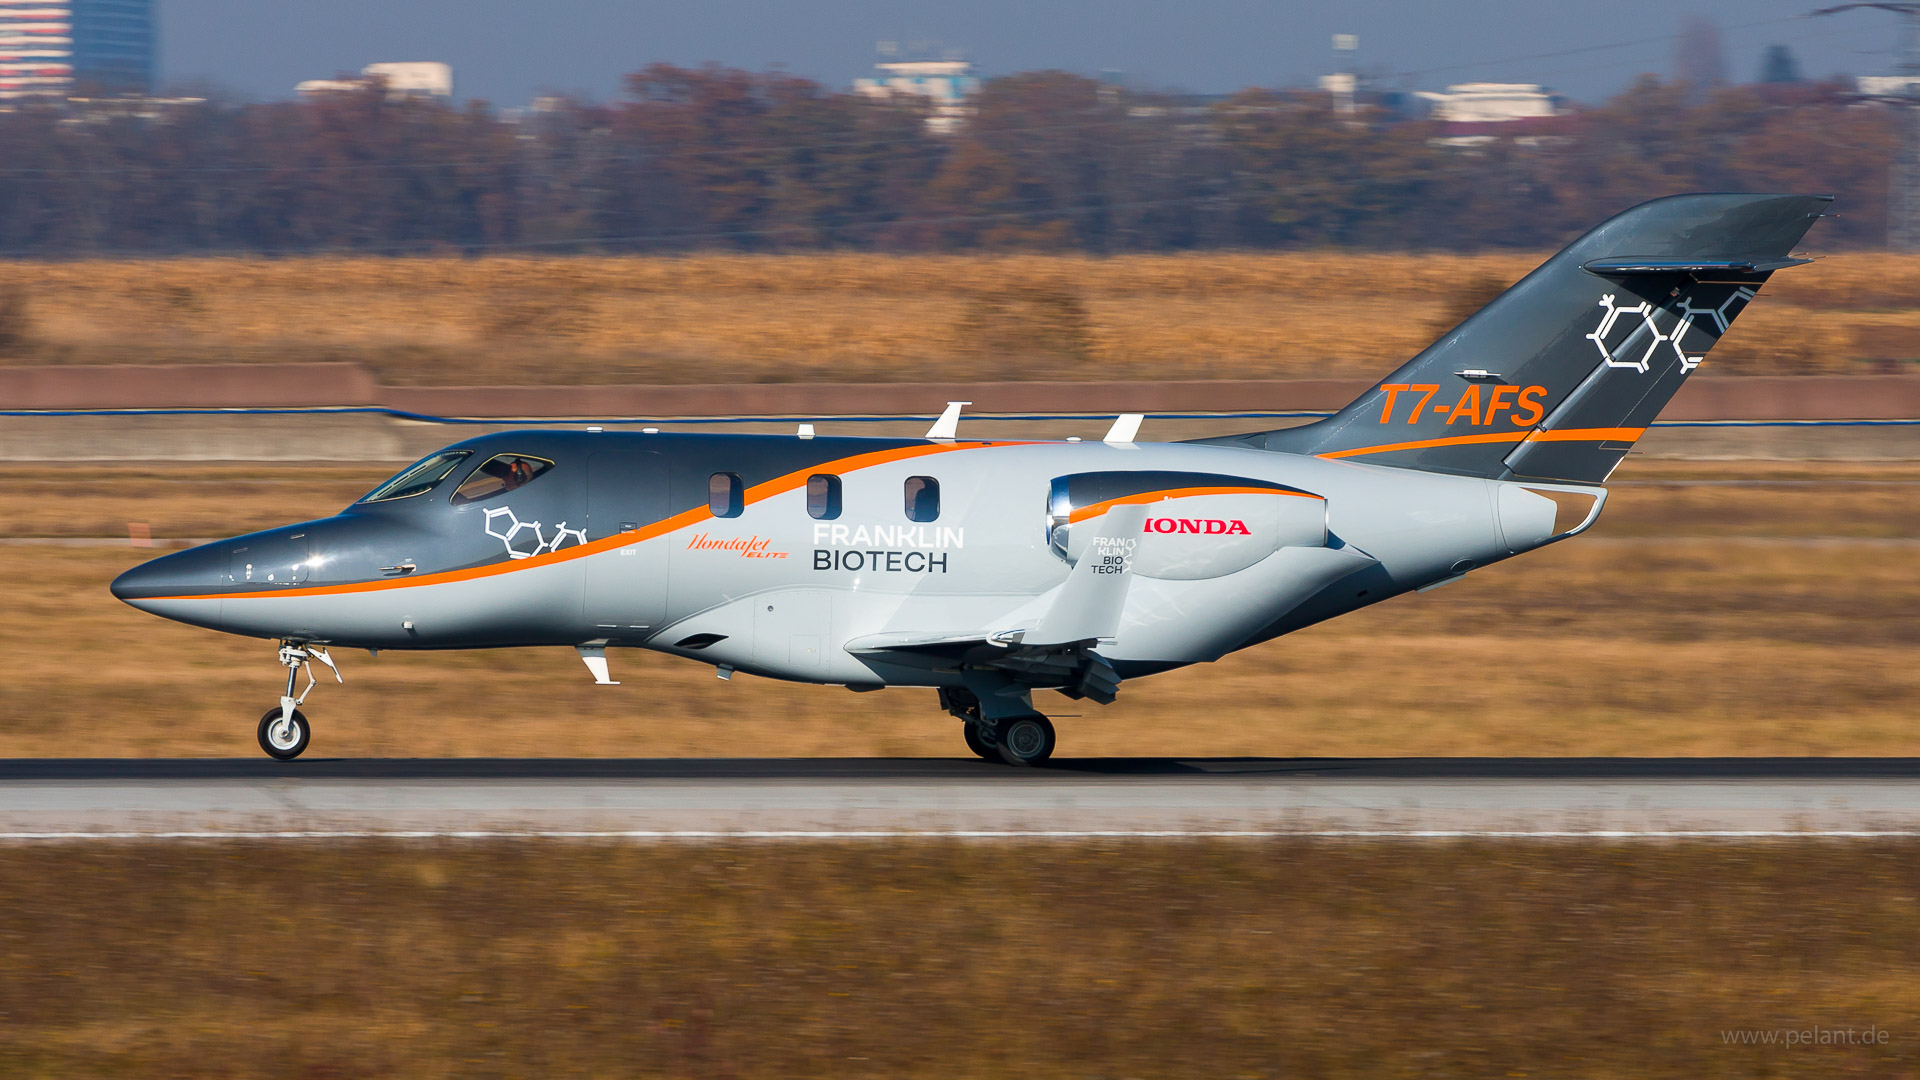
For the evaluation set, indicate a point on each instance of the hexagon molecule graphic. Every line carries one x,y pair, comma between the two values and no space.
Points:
514,527
1719,315
1627,337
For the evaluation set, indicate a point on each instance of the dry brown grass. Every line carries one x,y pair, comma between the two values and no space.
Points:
714,318
1660,634
1283,958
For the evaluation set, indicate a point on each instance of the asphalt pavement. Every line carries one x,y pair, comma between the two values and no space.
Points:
856,798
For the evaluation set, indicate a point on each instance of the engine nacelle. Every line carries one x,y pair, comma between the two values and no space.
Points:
1198,525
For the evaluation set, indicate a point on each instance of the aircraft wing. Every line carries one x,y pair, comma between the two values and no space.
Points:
1073,667
1059,648
913,641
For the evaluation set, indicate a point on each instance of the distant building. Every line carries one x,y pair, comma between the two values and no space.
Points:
1472,114
946,83
1887,86
1343,85
1778,65
50,48
1492,103
417,79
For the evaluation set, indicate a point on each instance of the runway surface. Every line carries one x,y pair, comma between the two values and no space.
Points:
689,799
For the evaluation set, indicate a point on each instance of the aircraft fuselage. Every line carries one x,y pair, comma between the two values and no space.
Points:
632,539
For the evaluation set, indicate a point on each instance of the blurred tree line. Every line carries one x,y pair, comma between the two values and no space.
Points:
728,159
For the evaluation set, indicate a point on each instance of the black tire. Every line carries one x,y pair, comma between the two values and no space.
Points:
1026,740
282,748
981,742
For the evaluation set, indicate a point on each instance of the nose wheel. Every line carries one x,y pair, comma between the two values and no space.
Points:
284,732
283,736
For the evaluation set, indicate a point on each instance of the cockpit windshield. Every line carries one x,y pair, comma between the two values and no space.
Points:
499,473
418,479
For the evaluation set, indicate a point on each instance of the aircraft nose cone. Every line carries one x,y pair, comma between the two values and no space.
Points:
194,572
128,584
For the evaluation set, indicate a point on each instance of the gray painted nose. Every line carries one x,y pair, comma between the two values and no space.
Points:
193,572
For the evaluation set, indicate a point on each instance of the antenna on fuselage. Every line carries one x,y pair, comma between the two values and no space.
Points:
948,426
1125,427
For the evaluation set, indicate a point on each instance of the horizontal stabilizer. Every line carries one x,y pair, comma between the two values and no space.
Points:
1630,267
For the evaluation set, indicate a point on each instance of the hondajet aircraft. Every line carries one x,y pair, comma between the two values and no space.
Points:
989,570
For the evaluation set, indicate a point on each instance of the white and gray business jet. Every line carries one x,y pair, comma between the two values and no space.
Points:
989,570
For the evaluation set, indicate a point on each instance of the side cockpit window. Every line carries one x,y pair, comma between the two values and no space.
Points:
499,474
418,479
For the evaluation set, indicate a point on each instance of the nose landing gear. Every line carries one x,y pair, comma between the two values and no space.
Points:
284,736
284,731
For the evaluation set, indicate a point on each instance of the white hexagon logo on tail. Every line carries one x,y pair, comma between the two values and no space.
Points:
514,528
1720,315
1622,332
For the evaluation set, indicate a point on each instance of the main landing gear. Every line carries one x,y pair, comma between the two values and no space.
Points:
1023,739
980,740
284,732
1026,740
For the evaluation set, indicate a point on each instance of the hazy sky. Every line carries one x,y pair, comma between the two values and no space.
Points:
506,51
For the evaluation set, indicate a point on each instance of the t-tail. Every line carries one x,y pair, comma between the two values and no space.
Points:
1559,375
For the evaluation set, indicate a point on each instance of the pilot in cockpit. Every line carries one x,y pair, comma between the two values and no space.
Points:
500,474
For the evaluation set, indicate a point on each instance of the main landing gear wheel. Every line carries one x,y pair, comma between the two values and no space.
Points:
1026,740
980,741
283,737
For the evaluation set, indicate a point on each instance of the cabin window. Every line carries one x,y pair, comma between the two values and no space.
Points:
726,495
499,474
418,479
823,496
923,498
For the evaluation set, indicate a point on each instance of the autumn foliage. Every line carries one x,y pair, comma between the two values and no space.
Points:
714,158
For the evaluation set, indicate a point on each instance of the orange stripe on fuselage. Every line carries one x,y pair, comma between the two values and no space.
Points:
1565,435
1096,509
754,494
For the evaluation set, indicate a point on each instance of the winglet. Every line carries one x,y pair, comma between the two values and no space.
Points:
1125,427
1089,604
948,426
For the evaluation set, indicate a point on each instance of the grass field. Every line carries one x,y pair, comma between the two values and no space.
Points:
716,318
1718,608
1137,959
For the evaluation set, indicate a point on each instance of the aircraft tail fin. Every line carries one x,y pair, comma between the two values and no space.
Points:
1558,376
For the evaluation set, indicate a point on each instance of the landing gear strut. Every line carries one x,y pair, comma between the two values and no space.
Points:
980,740
284,732
979,731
